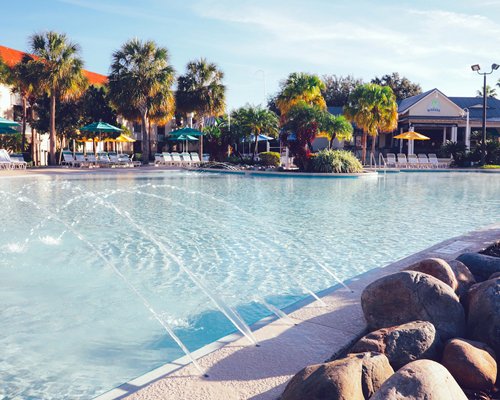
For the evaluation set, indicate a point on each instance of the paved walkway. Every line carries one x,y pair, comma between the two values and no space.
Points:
238,370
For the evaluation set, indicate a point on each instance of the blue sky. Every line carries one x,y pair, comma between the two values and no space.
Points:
430,42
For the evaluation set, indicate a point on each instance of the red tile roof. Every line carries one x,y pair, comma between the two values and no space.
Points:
11,57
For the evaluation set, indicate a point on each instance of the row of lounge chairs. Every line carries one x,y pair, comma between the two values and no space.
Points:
102,160
415,161
11,161
177,159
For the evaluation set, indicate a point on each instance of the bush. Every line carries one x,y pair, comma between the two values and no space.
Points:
270,158
338,161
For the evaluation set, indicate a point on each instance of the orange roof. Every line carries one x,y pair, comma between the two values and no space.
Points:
11,57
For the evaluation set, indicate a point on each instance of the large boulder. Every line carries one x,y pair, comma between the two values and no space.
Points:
471,363
403,343
438,268
483,322
481,265
412,296
464,277
420,380
355,377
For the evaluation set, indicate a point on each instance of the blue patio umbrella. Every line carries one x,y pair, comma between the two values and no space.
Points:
7,122
7,130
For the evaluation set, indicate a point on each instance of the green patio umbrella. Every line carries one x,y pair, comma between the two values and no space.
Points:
6,123
100,127
187,131
183,138
7,130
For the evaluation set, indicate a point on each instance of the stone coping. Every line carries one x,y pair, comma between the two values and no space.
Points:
289,174
238,370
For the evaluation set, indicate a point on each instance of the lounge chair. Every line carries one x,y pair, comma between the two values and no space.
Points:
186,159
104,160
129,161
18,161
167,158
176,159
67,158
91,159
436,163
159,159
195,158
424,161
115,160
5,161
402,161
390,160
80,161
413,161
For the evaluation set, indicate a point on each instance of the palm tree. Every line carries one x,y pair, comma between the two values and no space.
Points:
140,85
373,109
490,91
200,91
251,120
300,87
61,76
336,127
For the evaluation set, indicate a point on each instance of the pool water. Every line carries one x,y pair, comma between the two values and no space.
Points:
72,328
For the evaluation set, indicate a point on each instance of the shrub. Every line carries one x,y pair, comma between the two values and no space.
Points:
338,161
270,158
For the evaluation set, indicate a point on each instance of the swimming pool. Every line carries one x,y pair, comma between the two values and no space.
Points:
72,328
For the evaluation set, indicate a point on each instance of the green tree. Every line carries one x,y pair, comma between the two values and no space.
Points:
61,74
401,86
336,127
490,92
255,120
297,88
373,109
140,85
338,88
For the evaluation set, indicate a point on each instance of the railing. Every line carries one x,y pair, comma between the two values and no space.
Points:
381,160
373,161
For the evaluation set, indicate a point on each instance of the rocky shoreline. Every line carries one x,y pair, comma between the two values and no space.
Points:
434,334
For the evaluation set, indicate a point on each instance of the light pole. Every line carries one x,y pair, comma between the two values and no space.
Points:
476,68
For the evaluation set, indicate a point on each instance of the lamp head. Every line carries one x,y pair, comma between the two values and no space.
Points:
475,67
494,66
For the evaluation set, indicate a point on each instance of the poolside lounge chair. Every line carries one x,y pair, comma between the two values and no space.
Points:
176,159
67,158
413,161
402,161
5,161
436,163
186,159
390,160
104,160
18,161
80,161
129,161
159,159
424,161
195,158
167,158
91,159
116,161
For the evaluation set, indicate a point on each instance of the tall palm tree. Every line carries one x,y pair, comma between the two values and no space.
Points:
201,91
250,120
140,85
300,87
61,76
336,127
490,91
373,109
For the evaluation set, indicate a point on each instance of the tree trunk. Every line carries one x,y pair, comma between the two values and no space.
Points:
145,139
25,117
202,121
330,143
34,139
363,148
52,130
372,152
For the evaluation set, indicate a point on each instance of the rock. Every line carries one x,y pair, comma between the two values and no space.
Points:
481,266
483,323
472,364
464,277
403,343
420,380
355,377
413,296
494,276
438,268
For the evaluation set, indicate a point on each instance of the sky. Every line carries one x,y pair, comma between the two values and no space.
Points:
257,43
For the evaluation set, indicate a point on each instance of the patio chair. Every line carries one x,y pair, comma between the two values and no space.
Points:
104,160
433,160
159,160
67,158
176,159
413,161
129,161
186,159
91,159
167,159
424,161
390,160
18,161
115,160
5,161
195,158
402,161
80,161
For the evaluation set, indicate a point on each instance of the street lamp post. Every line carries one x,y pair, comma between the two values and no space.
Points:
477,68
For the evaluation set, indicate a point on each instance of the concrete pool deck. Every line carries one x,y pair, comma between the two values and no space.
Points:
239,370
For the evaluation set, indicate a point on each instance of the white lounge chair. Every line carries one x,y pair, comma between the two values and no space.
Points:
67,158
186,159
18,161
176,159
129,161
104,160
80,161
195,159
116,161
424,161
402,161
436,163
413,161
5,161
91,159
167,158
390,160
159,159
